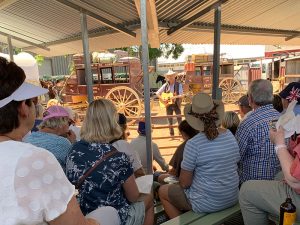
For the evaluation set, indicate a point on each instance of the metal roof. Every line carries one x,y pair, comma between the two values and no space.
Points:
55,25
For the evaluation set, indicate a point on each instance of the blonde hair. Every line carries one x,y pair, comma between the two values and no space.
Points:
54,123
101,122
230,120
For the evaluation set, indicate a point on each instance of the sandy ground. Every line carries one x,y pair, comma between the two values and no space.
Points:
161,137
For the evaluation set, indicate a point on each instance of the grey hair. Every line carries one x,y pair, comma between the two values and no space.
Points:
261,92
54,123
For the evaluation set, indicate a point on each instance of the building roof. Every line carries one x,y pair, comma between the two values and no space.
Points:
52,27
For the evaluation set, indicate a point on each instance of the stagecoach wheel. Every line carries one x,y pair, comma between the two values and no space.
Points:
126,100
231,90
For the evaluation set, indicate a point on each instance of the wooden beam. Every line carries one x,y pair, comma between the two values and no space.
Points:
152,22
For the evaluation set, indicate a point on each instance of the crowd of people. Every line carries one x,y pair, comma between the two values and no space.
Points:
225,158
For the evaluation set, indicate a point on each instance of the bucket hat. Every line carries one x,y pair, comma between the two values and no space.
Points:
202,103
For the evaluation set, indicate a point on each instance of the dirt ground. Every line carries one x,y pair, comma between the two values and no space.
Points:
166,144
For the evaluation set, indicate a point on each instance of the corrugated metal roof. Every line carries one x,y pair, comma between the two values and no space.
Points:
58,26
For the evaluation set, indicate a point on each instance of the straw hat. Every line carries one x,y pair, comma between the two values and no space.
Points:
170,73
202,103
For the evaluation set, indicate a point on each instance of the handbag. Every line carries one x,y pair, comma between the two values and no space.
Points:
97,163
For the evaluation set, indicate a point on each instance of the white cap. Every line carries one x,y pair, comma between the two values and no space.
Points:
25,91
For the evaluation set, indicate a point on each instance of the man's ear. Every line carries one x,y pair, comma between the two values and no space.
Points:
23,109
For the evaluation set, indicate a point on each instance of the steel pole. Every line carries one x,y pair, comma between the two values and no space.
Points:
145,60
87,58
10,49
216,91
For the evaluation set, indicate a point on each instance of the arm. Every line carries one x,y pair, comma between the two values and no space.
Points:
139,172
159,159
73,216
185,178
285,158
131,189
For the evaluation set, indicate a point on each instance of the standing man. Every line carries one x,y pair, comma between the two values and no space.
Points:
258,157
170,95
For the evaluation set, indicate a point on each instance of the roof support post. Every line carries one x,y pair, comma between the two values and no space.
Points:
145,60
87,58
196,16
216,91
10,48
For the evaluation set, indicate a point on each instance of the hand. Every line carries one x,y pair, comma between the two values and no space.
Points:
277,137
154,168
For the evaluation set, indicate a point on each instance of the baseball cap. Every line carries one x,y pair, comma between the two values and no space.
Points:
55,111
291,92
243,101
25,91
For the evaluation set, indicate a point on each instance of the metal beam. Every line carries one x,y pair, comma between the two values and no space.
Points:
292,37
194,5
99,18
145,59
10,49
25,41
87,58
196,16
216,63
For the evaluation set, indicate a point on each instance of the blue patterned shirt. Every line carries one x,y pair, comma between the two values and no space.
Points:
57,145
104,185
258,157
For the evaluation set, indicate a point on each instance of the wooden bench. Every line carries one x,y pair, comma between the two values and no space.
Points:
216,218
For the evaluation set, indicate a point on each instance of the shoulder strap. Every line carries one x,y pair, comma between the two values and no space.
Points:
98,162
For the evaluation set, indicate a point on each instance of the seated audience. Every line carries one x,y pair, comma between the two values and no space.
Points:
138,144
231,121
208,180
290,93
112,182
187,132
277,103
74,120
123,146
244,107
261,198
35,189
54,134
258,158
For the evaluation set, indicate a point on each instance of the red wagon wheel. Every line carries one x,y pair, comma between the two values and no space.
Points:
126,100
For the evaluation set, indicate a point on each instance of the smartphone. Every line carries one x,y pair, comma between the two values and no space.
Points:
272,124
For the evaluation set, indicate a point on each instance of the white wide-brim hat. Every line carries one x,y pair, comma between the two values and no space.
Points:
202,103
170,73
25,91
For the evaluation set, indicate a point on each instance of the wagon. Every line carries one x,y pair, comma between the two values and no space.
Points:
198,77
119,81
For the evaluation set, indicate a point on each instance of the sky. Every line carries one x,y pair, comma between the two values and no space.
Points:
229,51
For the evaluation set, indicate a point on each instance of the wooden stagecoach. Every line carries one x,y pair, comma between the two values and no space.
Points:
198,77
119,81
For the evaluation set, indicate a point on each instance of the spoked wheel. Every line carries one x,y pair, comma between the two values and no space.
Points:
231,90
126,100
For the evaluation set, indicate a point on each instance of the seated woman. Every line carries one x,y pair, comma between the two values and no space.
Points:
112,182
231,121
123,146
208,180
187,132
261,198
54,134
34,189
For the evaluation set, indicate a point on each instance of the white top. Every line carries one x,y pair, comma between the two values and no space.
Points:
33,186
76,131
124,146
139,145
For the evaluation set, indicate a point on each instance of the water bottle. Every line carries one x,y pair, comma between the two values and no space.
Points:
287,212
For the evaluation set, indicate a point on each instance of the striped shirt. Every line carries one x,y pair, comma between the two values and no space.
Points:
258,157
215,176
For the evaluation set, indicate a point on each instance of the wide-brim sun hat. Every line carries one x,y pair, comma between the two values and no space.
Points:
25,91
202,103
170,73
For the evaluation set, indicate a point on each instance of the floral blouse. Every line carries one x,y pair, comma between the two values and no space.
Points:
103,187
